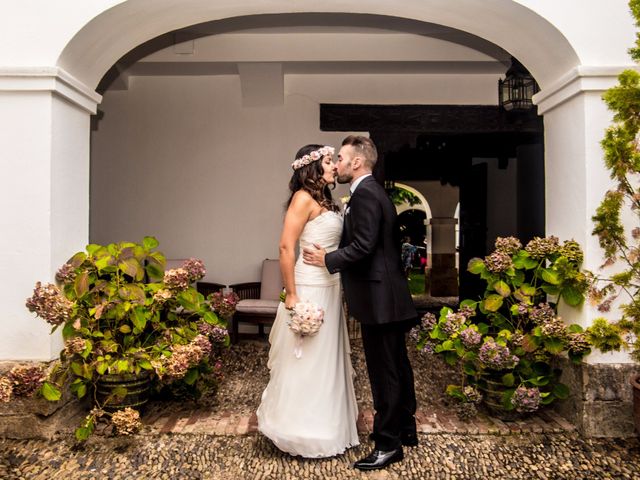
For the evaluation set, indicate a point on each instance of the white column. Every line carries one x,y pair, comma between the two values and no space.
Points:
575,119
44,201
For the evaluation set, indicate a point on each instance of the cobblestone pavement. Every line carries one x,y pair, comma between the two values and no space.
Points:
439,456
217,439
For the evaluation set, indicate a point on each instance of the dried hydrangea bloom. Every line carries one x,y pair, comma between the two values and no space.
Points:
466,410
516,339
428,321
414,334
453,322
470,337
66,274
182,358
526,399
177,279
74,345
27,379
541,247
554,328
578,343
223,305
6,389
571,249
50,304
508,245
195,269
215,333
204,344
429,348
496,356
126,421
472,394
97,412
467,311
543,313
498,262
162,295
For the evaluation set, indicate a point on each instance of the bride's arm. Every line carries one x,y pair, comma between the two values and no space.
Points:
294,221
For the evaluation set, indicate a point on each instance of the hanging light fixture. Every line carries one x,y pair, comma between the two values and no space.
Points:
517,89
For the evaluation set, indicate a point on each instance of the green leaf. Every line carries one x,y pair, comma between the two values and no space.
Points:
502,288
469,368
492,303
528,289
125,329
530,343
561,391
476,266
550,289
82,390
149,243
191,376
92,248
574,328
82,433
139,319
146,364
122,366
131,267
101,367
554,345
77,260
81,284
50,392
455,391
551,276
572,296
119,392
154,270
508,380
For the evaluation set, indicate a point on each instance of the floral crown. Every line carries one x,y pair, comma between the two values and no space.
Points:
312,157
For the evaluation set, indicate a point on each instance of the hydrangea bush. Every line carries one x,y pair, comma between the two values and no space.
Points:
121,313
513,334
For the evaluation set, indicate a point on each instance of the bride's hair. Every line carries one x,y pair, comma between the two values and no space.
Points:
309,178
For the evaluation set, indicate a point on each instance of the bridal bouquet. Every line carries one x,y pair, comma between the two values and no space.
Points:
306,320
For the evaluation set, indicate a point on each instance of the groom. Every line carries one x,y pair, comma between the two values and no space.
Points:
378,296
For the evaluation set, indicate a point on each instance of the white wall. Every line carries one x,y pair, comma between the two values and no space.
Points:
181,159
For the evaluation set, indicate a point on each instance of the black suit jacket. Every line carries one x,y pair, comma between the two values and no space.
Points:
368,259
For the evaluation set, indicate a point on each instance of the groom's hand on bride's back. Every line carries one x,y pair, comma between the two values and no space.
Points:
314,256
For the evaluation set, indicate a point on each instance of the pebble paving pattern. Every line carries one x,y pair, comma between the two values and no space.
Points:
216,439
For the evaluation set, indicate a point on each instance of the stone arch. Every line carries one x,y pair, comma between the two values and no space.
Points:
506,23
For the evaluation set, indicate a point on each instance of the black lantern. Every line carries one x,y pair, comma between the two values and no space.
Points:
517,89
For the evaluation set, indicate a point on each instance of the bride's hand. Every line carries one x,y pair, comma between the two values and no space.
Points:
291,301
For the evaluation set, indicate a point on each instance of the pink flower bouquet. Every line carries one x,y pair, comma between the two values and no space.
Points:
306,320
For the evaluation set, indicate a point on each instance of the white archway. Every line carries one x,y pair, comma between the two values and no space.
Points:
507,23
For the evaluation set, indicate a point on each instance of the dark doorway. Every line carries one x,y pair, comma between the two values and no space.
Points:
494,159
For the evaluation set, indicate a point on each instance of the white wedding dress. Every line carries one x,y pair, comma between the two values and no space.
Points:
309,406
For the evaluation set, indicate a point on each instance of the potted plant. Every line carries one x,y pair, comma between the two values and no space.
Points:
125,322
506,343
617,223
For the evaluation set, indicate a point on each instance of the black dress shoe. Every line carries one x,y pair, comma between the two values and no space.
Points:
379,459
408,440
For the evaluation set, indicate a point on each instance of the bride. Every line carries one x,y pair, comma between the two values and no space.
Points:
309,406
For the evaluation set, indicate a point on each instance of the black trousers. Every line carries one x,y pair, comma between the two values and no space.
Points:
391,377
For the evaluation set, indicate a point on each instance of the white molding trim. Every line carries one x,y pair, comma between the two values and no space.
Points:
583,78
49,79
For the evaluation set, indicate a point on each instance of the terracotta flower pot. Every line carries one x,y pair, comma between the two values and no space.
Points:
635,384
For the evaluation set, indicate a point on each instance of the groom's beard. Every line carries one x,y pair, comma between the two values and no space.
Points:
346,178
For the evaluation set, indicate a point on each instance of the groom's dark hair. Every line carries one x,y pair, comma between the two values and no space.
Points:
365,148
